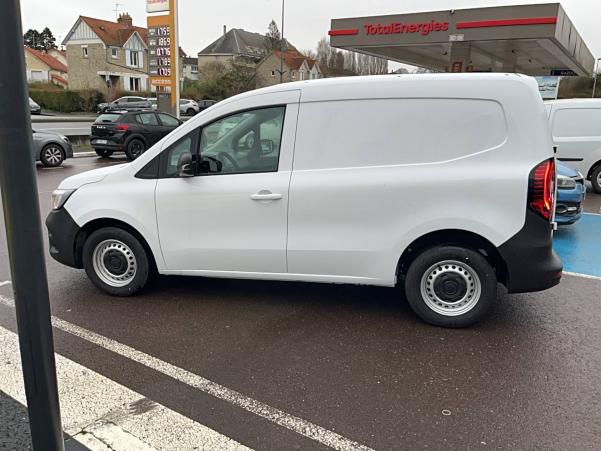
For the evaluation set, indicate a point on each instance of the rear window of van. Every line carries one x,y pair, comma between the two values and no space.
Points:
575,122
357,133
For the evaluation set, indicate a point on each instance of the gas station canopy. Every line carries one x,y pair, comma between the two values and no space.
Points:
530,39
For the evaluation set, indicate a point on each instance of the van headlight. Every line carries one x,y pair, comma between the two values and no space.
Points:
564,182
59,197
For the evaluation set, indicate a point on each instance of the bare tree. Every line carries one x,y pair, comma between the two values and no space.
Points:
273,37
324,52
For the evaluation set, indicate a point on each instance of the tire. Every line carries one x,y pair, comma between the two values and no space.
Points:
104,153
52,155
596,179
191,112
135,148
451,286
116,262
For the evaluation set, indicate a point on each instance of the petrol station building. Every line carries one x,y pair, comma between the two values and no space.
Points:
531,39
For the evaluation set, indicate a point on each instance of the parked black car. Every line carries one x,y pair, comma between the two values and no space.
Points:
130,132
204,104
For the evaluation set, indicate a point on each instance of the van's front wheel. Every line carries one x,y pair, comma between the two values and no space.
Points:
116,262
451,286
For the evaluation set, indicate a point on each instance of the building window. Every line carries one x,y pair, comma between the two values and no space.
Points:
302,74
273,73
114,52
134,59
134,84
293,74
84,51
194,68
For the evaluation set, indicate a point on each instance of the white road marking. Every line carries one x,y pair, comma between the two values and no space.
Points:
104,415
582,276
279,417
6,282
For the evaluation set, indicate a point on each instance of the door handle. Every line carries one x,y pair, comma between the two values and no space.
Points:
265,195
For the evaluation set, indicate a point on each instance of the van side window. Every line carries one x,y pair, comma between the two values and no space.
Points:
574,122
246,142
170,157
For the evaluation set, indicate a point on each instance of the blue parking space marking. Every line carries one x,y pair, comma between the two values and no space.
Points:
579,245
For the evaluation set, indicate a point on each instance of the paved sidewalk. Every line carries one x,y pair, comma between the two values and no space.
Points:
14,426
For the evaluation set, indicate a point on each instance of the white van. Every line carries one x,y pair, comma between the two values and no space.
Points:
444,183
576,129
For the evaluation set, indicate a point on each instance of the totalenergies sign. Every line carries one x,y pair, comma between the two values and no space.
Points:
424,28
157,6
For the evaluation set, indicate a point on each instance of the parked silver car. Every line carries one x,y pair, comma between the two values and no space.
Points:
127,103
51,149
34,108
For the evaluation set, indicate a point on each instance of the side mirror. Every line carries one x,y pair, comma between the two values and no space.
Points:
267,146
185,168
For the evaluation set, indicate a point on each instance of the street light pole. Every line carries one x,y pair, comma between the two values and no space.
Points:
282,46
595,76
22,220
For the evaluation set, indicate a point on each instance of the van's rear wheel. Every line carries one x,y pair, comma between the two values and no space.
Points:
451,286
116,262
596,179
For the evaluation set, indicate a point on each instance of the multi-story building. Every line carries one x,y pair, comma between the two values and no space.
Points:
189,68
103,54
294,66
44,68
235,47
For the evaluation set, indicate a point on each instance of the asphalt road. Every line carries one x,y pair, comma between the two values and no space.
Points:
353,360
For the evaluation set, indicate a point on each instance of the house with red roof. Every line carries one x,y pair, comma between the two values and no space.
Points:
107,55
44,68
294,65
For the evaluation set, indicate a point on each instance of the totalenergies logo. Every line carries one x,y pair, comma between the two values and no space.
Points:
399,28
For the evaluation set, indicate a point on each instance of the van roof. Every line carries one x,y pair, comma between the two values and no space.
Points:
576,102
366,83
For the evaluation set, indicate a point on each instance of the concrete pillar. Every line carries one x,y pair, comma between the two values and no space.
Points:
509,59
461,56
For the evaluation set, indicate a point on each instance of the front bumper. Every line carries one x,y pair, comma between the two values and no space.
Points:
568,209
63,234
532,265
109,145
68,149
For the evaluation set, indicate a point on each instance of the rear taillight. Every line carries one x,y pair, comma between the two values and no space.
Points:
122,128
541,189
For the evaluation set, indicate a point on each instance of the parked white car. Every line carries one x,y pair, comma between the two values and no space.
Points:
441,183
188,107
576,129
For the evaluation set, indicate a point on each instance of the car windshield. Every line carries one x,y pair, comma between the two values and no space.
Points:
107,118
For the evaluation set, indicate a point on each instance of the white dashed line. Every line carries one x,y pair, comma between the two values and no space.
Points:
104,415
6,282
276,416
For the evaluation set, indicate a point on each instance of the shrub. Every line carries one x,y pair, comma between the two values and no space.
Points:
66,101
63,101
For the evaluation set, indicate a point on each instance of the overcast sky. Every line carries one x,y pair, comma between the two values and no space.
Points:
201,21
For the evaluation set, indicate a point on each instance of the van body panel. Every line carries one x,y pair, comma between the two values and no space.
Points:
576,130
367,166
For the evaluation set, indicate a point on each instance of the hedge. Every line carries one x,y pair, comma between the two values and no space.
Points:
66,101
